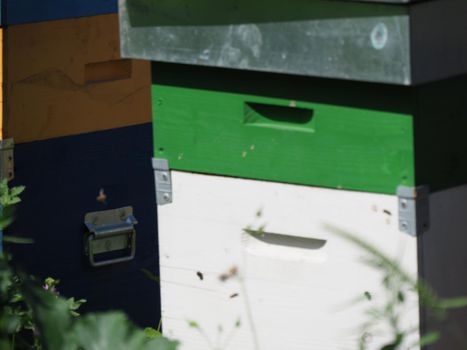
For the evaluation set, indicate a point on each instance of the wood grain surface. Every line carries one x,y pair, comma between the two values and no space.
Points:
67,77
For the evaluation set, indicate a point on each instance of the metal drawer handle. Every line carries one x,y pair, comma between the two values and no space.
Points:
110,231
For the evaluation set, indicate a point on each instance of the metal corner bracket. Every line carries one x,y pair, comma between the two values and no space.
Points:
110,231
7,159
163,180
414,209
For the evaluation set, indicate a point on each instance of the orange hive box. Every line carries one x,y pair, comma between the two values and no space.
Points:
66,77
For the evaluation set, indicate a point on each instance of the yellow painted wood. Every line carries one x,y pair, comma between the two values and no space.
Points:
67,77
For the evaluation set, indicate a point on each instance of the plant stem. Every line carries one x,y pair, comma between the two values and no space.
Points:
249,314
159,325
228,339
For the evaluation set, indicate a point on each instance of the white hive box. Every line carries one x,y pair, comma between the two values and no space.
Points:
299,279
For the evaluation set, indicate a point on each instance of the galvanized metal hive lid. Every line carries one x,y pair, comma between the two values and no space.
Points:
389,43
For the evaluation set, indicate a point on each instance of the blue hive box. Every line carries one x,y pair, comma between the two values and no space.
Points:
27,11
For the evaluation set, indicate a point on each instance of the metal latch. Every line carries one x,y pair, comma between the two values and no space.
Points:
414,209
110,231
6,159
163,181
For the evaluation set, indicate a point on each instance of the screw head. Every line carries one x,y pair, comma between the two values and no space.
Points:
404,203
404,225
166,196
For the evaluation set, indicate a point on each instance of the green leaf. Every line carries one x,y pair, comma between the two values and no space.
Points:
453,303
17,240
113,331
193,324
3,186
163,344
152,333
15,191
51,316
6,221
12,201
75,304
9,323
16,297
5,344
395,344
51,282
429,338
150,275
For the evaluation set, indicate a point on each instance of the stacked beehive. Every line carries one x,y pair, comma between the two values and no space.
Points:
358,112
80,118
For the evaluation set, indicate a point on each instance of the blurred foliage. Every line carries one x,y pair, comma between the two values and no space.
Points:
398,285
34,316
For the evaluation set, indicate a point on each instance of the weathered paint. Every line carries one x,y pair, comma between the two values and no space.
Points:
385,43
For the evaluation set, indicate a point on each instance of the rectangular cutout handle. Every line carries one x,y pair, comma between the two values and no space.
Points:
99,72
278,117
284,246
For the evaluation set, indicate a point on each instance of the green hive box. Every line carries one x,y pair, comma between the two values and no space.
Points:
372,127
320,132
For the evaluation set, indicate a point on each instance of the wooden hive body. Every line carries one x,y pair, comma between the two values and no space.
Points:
319,132
71,69
297,282
307,153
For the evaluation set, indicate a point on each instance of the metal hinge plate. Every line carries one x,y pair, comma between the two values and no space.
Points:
110,231
163,181
414,209
6,159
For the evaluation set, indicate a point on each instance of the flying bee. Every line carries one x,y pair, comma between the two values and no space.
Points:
102,197
232,272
